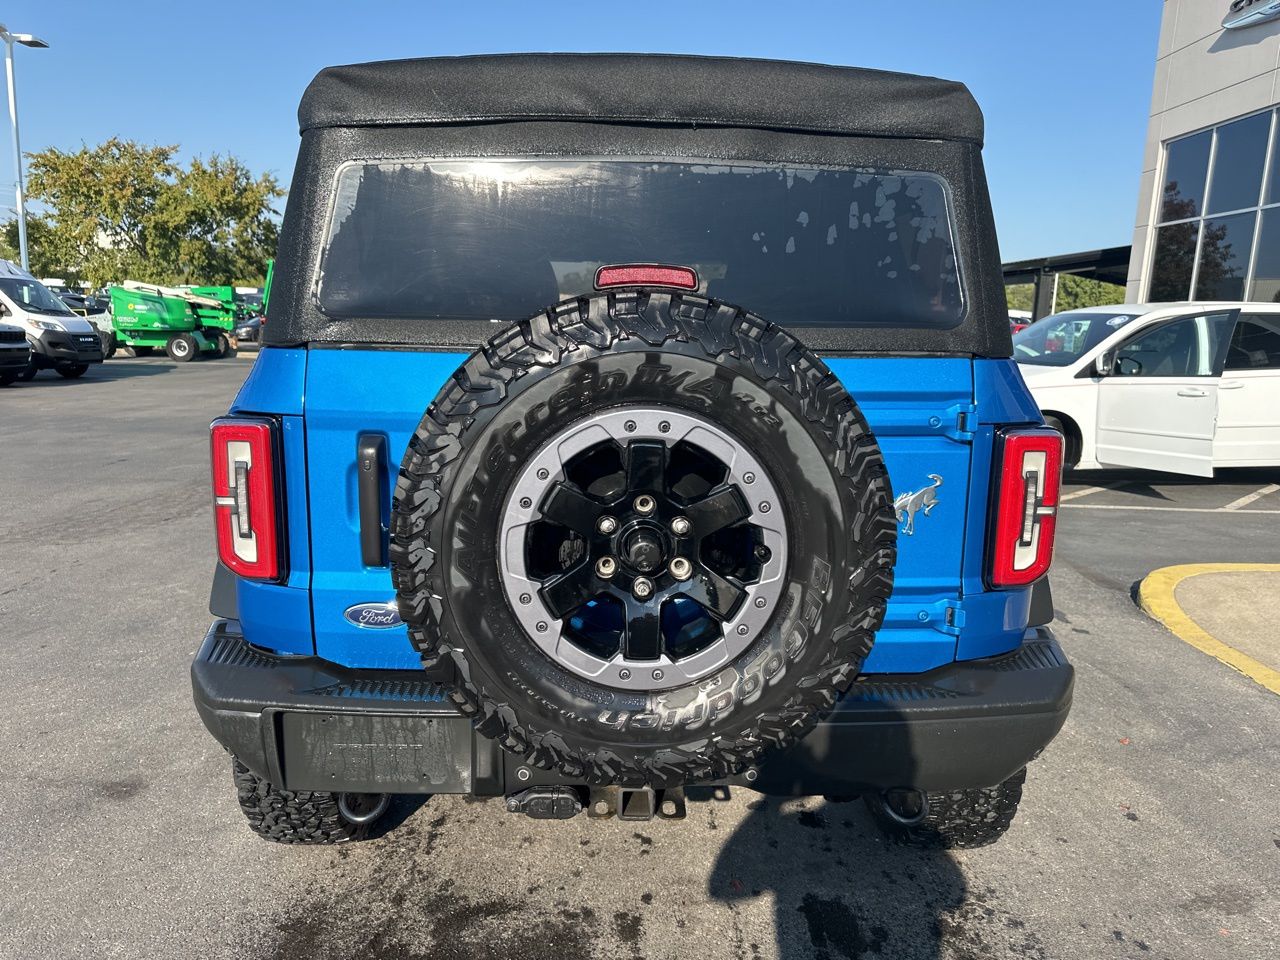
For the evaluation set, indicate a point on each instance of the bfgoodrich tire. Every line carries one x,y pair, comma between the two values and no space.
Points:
796,581
302,816
948,820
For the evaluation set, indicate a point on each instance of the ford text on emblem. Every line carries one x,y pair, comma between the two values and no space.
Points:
374,616
1245,13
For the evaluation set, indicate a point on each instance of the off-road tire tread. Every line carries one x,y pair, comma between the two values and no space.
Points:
959,819
595,325
292,816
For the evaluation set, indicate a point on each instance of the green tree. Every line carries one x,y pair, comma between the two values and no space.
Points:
1073,293
1076,292
124,210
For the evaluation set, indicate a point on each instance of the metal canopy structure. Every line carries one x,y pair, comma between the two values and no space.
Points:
1110,266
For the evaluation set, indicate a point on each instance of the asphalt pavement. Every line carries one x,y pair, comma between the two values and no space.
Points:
1149,829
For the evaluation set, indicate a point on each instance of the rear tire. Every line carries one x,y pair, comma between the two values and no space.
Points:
954,820
1070,440
108,347
296,816
182,348
73,372
222,347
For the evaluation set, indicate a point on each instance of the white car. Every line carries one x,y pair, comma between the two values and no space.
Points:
1179,387
59,339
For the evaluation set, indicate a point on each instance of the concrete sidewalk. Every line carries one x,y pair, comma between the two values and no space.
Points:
1228,610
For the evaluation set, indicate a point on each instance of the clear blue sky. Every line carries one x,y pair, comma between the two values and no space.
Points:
1066,87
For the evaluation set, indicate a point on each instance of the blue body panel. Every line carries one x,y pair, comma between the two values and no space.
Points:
350,392
914,406
922,410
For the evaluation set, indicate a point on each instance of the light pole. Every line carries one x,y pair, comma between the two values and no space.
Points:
27,40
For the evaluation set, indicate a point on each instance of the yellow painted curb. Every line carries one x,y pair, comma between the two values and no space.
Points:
1155,596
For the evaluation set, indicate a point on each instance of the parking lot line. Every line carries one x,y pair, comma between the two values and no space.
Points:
1155,596
1082,492
1125,506
1249,498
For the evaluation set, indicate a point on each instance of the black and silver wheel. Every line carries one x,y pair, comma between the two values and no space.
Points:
954,819
653,533
643,548
304,816
181,348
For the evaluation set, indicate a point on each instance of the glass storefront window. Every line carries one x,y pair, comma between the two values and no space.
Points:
1217,235
1185,171
1174,261
1266,267
1225,245
1237,164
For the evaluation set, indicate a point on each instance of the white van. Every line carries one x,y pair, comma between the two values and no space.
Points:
59,339
1179,387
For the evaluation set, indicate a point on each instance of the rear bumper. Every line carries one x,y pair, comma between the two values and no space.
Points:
305,723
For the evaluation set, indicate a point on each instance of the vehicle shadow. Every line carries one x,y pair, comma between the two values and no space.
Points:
838,887
110,370
1144,483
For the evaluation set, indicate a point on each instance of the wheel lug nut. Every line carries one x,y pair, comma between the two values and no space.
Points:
657,674
624,674
606,567
644,504
680,568
642,588
681,526
743,630
607,525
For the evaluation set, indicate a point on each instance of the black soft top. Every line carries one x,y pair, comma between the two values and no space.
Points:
642,89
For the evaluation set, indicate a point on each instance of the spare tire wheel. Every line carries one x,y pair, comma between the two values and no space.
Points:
652,531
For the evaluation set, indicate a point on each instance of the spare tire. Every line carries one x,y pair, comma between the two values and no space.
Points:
652,531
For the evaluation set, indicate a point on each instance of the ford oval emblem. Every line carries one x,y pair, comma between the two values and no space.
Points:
1245,13
374,616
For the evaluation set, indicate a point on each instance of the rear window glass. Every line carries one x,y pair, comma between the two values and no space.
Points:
500,239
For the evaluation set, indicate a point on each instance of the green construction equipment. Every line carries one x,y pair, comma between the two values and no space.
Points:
180,322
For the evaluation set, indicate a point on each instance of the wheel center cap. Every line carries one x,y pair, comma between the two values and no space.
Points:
642,550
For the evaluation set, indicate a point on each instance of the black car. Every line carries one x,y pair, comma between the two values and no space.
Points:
249,329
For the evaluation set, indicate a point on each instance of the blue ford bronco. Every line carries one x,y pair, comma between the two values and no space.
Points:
625,424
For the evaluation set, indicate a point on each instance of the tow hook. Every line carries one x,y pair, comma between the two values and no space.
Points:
545,803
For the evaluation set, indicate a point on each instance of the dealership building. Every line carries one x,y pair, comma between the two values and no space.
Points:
1208,223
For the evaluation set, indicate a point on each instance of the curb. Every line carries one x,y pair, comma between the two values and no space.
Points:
1155,597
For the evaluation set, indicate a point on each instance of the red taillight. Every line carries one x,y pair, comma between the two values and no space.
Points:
1030,476
245,511
646,275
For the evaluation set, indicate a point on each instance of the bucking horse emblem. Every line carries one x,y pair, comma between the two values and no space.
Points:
907,505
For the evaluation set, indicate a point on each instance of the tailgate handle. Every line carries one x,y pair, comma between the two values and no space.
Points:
371,458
